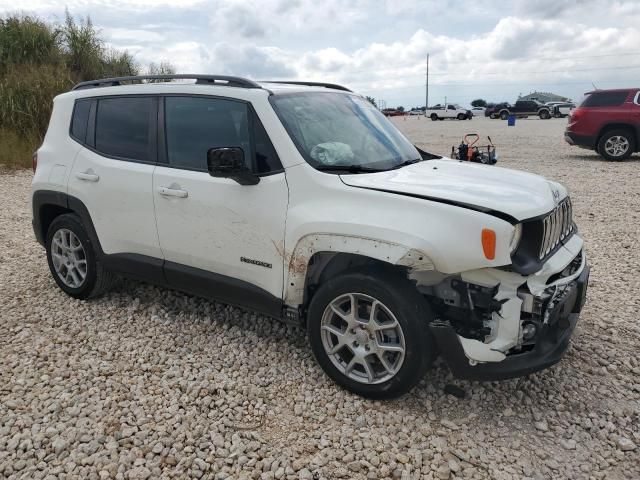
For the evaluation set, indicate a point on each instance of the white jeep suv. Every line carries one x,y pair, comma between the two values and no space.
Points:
301,201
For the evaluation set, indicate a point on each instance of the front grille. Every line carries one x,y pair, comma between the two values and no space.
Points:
556,226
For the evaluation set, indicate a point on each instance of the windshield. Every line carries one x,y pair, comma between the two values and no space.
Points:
339,130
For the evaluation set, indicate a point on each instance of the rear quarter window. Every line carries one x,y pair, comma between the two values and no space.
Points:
80,119
604,99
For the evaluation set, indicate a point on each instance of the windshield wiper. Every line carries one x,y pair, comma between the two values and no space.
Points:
348,168
408,162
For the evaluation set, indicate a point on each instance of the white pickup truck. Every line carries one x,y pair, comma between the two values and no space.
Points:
449,110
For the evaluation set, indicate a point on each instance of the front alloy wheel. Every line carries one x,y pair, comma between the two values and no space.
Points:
369,331
362,338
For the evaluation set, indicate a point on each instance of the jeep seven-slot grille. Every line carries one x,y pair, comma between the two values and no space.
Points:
556,226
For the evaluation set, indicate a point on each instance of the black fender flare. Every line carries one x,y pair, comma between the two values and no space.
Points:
43,198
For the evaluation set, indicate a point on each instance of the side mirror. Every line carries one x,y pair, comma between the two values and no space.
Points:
228,162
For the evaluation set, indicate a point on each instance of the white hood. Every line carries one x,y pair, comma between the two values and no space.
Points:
518,194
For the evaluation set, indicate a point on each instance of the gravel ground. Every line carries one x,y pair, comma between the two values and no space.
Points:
147,383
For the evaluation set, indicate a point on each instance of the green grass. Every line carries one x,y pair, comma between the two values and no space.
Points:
16,151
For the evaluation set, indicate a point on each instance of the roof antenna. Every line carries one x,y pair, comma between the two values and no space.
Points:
594,86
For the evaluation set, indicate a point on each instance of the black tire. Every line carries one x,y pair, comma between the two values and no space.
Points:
434,117
97,279
544,115
504,115
412,313
461,116
605,151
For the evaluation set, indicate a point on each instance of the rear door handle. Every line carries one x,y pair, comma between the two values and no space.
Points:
173,192
87,176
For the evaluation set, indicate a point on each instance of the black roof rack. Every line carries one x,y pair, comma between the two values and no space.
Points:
310,84
200,79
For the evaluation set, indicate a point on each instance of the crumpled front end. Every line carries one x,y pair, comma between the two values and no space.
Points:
495,323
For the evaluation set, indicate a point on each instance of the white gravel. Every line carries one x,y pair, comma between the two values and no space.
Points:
148,383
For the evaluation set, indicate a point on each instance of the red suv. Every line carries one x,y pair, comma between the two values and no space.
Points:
607,121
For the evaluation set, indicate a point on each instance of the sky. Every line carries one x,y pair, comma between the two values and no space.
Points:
488,49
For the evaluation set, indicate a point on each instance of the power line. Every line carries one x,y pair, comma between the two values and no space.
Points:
567,70
517,84
572,57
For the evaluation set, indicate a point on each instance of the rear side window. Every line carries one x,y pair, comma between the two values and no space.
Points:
80,119
604,99
123,127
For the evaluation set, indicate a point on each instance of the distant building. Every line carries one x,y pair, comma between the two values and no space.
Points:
544,97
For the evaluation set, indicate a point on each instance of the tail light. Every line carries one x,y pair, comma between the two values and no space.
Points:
34,161
576,113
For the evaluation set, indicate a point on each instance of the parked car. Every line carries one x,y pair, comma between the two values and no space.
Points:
607,121
302,202
491,109
478,110
450,110
523,108
416,111
561,109
393,112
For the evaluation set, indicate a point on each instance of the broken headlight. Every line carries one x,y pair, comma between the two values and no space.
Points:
515,238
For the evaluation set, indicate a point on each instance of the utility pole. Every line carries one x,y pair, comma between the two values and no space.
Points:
426,100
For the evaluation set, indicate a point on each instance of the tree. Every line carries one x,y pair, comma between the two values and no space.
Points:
400,109
479,102
372,100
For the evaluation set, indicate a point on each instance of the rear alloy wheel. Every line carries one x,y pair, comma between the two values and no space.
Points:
616,145
370,333
69,258
72,259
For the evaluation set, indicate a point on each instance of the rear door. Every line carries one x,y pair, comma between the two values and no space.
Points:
112,175
229,235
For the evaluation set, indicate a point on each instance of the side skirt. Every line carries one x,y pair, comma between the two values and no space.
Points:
195,281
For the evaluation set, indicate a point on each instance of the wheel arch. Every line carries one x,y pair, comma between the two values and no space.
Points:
635,131
319,257
49,204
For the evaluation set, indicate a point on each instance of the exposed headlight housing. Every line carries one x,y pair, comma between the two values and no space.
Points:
515,238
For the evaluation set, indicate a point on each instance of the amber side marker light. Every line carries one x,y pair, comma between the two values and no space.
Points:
489,243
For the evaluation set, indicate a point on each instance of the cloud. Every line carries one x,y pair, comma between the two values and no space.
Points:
117,35
240,20
251,61
379,47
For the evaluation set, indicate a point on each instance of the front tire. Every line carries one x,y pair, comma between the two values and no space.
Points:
461,116
504,115
369,332
544,115
616,145
72,259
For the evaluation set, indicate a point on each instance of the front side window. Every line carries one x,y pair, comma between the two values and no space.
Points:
342,130
123,127
193,125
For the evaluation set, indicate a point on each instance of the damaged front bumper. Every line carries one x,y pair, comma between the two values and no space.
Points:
551,341
514,324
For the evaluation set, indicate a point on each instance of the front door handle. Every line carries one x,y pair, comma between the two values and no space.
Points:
173,192
88,176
